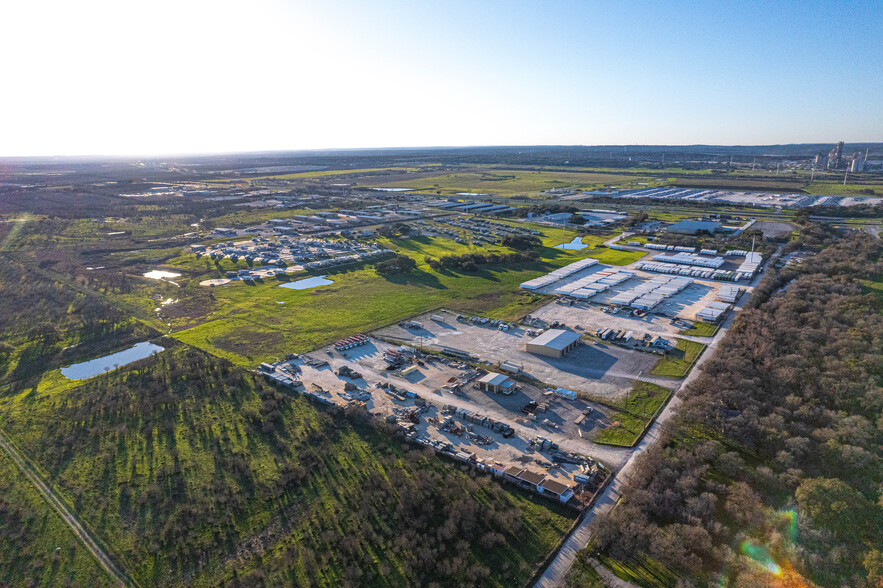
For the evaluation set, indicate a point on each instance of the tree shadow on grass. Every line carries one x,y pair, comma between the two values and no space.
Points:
415,278
552,253
411,243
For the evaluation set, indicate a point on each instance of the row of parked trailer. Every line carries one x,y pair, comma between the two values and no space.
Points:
594,283
350,342
334,261
671,268
690,259
662,247
559,274
623,336
650,293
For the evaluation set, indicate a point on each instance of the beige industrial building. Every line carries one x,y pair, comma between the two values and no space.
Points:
554,343
494,382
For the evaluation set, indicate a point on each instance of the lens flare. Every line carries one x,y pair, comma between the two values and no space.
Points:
790,515
759,554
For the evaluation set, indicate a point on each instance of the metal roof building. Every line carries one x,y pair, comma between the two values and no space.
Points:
554,343
691,227
494,382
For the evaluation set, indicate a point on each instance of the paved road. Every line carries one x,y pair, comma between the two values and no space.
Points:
72,521
555,574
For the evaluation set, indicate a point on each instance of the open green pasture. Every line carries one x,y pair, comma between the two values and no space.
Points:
249,324
508,182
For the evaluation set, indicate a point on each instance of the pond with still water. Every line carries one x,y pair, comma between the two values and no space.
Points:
307,283
575,245
93,367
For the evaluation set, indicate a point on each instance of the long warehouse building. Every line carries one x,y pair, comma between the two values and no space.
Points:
554,343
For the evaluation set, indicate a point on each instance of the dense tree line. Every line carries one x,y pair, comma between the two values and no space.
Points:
471,262
393,230
787,415
522,242
396,265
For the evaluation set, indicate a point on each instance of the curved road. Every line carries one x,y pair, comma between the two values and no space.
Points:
56,503
555,574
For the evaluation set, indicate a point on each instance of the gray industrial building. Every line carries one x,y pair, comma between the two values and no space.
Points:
691,227
554,343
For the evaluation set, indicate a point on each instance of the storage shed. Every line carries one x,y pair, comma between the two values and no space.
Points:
557,489
494,382
554,343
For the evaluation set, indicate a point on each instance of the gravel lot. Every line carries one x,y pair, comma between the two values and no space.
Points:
601,371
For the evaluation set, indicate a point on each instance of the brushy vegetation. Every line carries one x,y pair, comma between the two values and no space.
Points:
195,472
36,547
47,324
773,470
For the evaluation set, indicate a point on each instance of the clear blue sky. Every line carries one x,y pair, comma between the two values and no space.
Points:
174,76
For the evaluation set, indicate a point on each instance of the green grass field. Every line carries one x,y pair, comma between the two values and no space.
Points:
636,412
36,547
701,329
250,324
838,189
506,182
679,359
643,571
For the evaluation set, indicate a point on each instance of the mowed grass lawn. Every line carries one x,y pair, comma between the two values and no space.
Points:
638,409
679,359
700,329
252,324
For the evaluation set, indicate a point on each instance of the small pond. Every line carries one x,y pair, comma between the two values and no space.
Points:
575,245
93,367
160,274
307,283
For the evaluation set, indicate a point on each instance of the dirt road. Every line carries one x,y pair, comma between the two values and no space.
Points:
58,505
